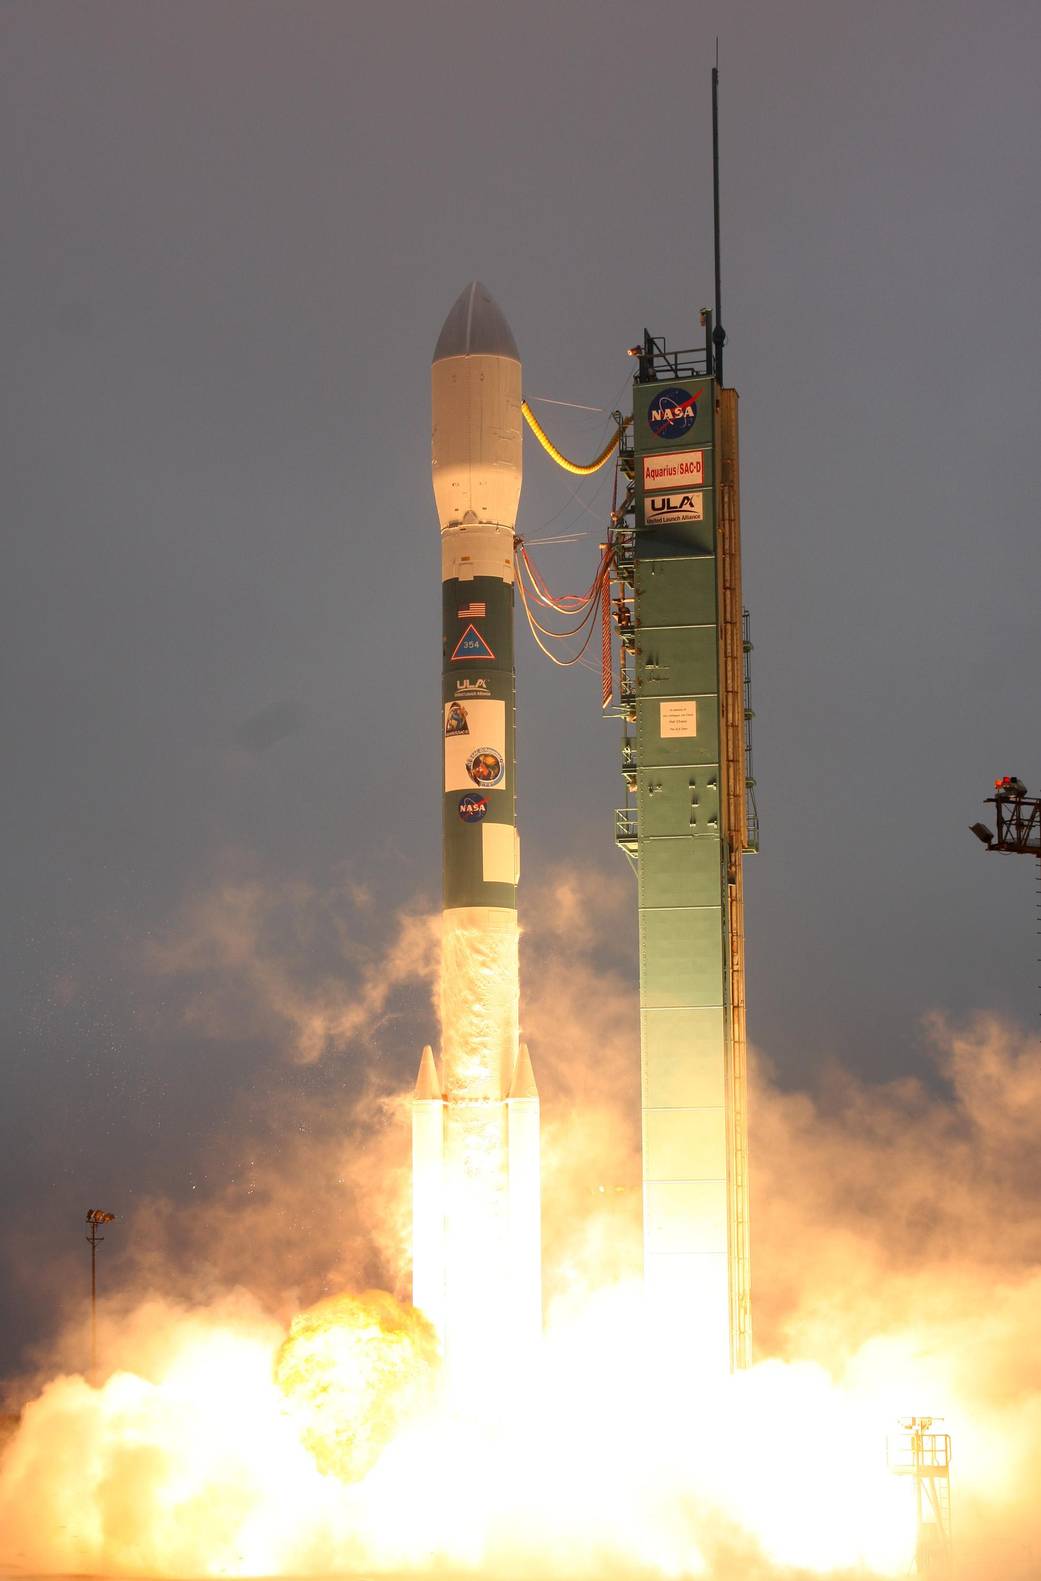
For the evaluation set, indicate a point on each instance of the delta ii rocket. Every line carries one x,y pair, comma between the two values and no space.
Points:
476,1264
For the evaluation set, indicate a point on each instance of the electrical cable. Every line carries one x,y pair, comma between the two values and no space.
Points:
578,405
558,456
565,603
562,664
589,604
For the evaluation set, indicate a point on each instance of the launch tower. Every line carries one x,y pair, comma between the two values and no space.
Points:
688,822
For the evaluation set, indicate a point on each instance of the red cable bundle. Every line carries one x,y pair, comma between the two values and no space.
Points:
606,675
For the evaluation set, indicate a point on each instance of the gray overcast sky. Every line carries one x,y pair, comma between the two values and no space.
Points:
232,232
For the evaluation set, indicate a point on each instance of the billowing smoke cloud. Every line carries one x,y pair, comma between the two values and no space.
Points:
312,969
581,1019
909,1199
895,1271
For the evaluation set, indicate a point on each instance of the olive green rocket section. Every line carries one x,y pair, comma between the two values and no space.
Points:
690,837
479,723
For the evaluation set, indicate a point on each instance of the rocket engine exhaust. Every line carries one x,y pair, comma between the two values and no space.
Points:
475,1124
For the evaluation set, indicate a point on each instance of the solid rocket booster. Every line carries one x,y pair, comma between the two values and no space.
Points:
476,1195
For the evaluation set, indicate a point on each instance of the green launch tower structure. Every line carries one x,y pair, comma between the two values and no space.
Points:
670,579
688,822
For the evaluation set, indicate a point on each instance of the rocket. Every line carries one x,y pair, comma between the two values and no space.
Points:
475,1121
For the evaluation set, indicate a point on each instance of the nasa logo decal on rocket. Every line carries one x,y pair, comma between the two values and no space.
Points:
455,720
672,413
472,808
471,645
485,766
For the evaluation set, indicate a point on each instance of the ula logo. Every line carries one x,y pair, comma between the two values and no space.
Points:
676,502
674,507
673,413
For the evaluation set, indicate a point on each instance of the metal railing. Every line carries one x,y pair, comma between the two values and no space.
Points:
626,830
1019,824
919,1454
657,362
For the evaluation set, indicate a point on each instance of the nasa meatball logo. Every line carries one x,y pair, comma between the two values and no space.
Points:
472,808
673,413
485,766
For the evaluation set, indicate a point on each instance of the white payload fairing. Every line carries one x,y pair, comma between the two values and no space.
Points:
476,1270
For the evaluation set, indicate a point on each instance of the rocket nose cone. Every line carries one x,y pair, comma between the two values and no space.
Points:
475,327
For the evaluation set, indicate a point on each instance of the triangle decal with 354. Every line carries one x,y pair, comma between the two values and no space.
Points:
471,645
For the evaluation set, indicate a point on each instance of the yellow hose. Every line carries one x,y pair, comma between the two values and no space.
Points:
562,461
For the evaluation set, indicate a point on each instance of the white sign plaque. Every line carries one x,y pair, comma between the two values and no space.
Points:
674,469
659,508
678,720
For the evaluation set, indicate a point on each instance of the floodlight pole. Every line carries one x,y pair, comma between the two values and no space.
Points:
1018,820
920,1453
95,1218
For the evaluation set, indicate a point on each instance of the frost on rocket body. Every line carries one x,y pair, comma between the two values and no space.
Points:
480,1004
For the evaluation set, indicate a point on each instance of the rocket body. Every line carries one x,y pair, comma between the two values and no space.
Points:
476,1258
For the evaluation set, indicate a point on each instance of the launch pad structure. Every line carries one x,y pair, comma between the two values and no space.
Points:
671,586
688,821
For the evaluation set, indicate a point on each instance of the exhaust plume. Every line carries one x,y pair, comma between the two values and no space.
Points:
289,1423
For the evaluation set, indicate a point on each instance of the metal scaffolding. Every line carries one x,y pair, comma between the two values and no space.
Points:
682,686
919,1453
